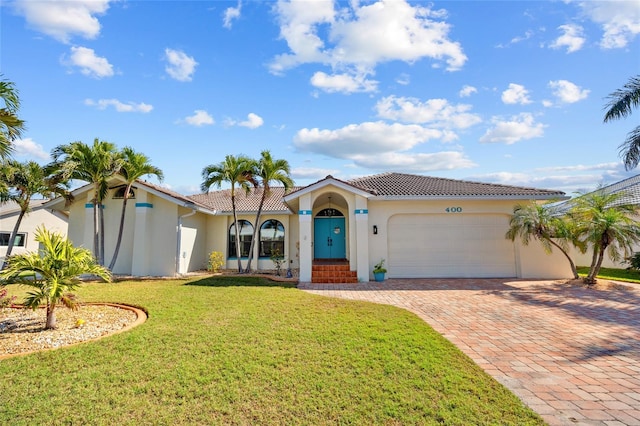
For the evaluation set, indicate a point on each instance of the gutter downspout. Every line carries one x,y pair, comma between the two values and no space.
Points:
179,237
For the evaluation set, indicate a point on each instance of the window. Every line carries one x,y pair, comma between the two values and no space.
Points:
20,241
246,233
271,238
119,192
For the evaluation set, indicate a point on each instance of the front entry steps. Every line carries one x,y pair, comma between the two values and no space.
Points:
332,272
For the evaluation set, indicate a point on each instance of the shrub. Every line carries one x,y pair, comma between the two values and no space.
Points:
5,301
278,260
634,261
215,261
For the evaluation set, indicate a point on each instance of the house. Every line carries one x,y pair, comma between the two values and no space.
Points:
39,215
422,226
630,190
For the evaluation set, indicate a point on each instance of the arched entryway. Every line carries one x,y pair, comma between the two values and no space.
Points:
329,235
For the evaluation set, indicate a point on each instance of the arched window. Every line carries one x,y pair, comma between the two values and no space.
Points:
271,238
119,193
246,233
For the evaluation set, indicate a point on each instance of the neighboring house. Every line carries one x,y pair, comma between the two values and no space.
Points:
53,220
422,226
630,188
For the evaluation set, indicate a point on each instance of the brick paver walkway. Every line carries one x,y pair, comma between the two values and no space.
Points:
571,354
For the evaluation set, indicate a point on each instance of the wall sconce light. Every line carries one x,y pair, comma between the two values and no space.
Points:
375,229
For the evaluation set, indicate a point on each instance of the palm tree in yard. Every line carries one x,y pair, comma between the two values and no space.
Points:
95,164
267,171
11,126
606,224
536,221
25,180
134,166
620,106
235,171
53,273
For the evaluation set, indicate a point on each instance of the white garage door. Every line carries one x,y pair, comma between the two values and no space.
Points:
450,245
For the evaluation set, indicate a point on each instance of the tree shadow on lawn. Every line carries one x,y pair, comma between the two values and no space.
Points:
242,281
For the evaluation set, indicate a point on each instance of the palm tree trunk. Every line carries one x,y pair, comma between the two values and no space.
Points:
121,229
256,229
595,270
51,317
96,240
235,226
594,259
12,238
574,270
101,236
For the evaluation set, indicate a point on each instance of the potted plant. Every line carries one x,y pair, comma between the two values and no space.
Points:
379,270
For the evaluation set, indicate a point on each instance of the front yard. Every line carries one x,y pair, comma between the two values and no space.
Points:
232,350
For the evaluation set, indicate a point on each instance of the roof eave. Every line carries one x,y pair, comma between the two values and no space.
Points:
468,197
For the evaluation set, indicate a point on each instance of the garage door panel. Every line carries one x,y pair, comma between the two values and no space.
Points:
450,245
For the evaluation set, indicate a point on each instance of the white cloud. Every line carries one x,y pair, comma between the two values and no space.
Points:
370,138
520,127
253,121
180,66
89,63
119,106
344,83
415,162
29,148
63,19
516,94
356,38
572,38
567,92
300,173
230,14
620,21
199,118
467,91
403,79
438,113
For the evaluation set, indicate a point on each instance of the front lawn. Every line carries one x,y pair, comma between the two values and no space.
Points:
626,275
226,350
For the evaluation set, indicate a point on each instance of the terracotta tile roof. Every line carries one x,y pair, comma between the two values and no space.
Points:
630,188
221,200
408,185
170,193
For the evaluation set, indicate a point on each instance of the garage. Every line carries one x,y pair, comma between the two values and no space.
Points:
452,245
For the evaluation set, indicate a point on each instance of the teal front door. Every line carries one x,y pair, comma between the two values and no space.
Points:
329,239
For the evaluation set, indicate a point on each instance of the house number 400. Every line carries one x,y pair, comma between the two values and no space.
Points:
453,209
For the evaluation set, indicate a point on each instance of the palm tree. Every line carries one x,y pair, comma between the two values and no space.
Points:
538,222
620,105
25,180
236,171
608,225
53,273
134,166
268,171
11,126
95,164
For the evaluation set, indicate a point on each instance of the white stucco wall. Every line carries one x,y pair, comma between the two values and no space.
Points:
56,222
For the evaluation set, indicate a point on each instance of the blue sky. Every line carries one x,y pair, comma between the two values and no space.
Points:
503,92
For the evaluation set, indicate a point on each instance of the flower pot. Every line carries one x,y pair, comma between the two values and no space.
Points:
379,276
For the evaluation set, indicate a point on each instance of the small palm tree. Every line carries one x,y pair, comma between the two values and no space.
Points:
538,222
26,180
11,126
608,225
53,273
134,165
95,164
235,171
267,171
620,105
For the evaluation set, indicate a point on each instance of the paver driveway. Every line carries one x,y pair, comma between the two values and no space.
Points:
571,354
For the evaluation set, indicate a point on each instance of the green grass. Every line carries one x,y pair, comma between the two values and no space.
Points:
248,351
626,275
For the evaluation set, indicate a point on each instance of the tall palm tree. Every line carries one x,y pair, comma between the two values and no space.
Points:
235,171
267,171
95,164
53,273
619,106
608,225
25,181
134,166
11,126
537,221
